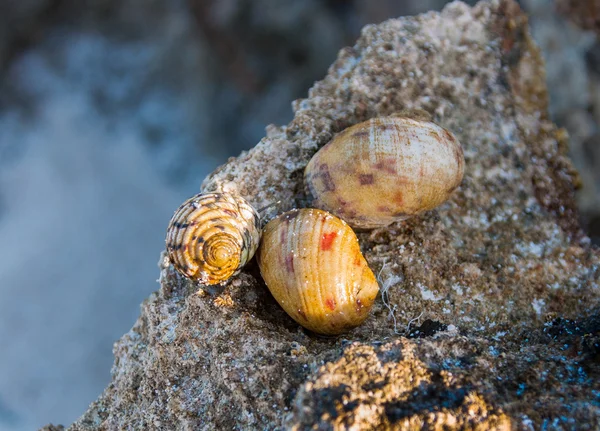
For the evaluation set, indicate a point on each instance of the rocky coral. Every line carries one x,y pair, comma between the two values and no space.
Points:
489,311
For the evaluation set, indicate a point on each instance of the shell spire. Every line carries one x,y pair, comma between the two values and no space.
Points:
212,236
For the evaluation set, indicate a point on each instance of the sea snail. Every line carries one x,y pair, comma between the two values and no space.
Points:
312,264
212,236
385,170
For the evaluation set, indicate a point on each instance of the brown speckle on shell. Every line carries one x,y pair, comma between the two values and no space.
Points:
365,179
212,236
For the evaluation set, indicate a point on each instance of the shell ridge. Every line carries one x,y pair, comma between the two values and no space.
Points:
316,284
295,243
180,239
342,277
357,283
372,138
313,289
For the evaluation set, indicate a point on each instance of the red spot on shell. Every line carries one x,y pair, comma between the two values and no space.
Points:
289,263
383,209
327,240
357,260
302,314
330,303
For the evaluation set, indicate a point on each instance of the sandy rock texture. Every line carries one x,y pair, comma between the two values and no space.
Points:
489,316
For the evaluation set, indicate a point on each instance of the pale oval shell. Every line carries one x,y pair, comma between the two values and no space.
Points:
312,264
212,236
384,170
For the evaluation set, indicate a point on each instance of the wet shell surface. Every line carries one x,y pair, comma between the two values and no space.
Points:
384,170
212,236
312,264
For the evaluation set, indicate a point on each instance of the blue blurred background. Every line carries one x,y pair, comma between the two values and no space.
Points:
111,114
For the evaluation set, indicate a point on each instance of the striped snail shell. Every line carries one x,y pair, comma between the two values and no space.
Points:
312,264
212,236
385,170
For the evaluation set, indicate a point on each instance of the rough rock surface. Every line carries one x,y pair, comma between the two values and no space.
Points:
490,309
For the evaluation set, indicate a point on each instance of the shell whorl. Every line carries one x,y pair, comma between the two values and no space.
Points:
212,236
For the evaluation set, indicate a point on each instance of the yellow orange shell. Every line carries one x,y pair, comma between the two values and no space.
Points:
212,236
384,170
312,264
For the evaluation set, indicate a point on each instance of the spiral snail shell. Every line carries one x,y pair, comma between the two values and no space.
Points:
212,236
384,170
312,264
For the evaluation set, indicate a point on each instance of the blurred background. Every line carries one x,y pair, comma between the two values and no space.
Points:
113,111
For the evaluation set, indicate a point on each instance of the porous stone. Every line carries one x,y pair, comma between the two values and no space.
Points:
490,305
